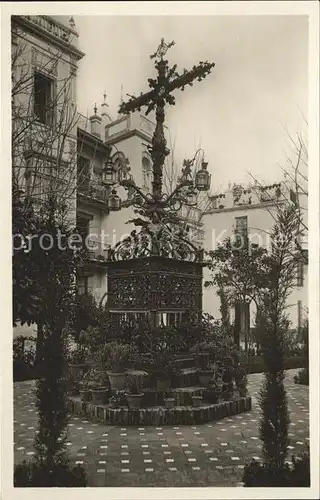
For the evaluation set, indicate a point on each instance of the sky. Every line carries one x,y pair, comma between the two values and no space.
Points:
240,114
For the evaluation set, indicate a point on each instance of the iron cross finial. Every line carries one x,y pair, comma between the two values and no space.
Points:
162,49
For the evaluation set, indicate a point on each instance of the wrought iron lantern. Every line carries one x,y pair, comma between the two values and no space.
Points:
114,201
203,178
191,196
108,173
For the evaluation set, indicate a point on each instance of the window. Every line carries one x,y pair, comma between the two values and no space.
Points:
147,175
83,168
300,274
241,231
82,285
242,225
43,98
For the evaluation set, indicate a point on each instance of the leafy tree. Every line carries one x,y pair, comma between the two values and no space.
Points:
238,270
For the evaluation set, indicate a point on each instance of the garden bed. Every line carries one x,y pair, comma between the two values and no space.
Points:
158,415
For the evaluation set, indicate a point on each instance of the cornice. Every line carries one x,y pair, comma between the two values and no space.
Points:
35,28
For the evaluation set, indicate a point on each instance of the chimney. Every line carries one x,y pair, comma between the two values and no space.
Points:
95,122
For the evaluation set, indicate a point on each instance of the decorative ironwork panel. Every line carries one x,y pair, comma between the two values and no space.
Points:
154,284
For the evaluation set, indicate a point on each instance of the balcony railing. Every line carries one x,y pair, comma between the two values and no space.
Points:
94,192
52,26
97,250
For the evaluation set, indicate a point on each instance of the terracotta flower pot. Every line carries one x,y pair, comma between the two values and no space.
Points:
84,394
242,392
76,370
99,396
117,380
197,401
134,400
169,403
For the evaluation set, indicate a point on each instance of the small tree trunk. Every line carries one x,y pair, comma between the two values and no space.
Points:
237,325
39,345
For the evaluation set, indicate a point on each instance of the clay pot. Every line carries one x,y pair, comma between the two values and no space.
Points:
117,380
197,401
134,400
99,396
84,394
169,403
242,392
76,370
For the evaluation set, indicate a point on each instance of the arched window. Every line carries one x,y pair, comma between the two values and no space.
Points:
121,166
147,175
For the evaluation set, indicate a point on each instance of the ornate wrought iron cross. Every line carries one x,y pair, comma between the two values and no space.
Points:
167,81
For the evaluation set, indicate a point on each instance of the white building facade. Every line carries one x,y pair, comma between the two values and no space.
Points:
253,211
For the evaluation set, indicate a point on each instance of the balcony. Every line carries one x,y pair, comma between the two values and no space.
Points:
52,31
94,194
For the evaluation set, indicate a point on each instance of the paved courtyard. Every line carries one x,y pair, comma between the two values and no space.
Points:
213,454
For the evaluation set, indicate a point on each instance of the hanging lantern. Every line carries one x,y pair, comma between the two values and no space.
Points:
203,178
137,199
191,196
114,202
109,173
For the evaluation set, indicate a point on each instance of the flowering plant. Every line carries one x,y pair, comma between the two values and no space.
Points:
77,355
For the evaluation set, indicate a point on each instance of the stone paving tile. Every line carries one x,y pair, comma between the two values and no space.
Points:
212,454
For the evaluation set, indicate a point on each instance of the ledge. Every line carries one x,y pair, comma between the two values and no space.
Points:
157,416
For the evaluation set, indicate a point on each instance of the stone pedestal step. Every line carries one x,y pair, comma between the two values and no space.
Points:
157,416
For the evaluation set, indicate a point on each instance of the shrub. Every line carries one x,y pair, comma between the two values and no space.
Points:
302,377
92,338
216,339
260,475
258,366
37,474
240,377
116,357
85,313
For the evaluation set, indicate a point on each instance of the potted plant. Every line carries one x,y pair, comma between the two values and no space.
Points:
227,378
241,381
202,355
134,387
163,368
169,401
202,351
196,400
98,386
77,358
84,390
117,358
116,400
214,390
